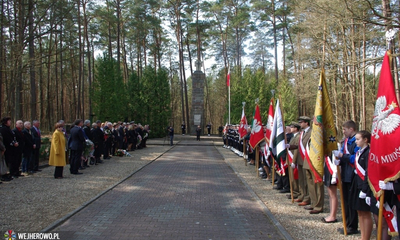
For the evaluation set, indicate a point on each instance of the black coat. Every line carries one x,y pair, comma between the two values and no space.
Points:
76,140
20,138
29,142
198,131
363,161
98,136
8,138
88,133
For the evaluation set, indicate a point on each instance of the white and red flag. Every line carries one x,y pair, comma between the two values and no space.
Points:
384,156
270,124
243,126
257,132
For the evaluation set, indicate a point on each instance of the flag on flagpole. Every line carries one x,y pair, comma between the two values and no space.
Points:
323,133
228,78
277,139
269,126
243,126
257,132
384,155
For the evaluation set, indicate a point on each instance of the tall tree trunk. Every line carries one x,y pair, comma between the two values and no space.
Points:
109,30
118,2
2,56
275,39
32,61
88,55
80,64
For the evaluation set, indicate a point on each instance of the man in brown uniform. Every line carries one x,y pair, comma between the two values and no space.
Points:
299,159
315,190
293,147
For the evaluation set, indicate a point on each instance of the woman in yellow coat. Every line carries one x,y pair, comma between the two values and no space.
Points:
57,151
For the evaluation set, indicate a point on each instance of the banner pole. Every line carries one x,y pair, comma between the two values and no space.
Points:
380,216
291,177
341,200
244,151
273,170
257,160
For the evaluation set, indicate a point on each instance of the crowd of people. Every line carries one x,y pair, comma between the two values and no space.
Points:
83,145
352,157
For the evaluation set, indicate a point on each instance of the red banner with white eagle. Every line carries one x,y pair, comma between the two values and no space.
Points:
384,156
243,125
257,132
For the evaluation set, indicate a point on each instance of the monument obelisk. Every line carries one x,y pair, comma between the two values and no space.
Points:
197,112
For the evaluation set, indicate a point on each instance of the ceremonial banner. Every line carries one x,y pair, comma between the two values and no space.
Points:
269,126
323,133
257,132
243,126
384,155
277,138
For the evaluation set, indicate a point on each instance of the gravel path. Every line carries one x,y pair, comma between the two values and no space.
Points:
296,220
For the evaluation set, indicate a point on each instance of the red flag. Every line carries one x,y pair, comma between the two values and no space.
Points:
384,156
243,125
257,132
228,78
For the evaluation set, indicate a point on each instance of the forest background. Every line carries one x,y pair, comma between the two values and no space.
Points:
49,69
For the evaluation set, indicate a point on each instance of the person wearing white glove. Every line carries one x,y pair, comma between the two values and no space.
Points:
293,165
336,162
368,201
362,195
360,185
346,156
385,186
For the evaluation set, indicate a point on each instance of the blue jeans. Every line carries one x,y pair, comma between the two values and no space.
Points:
25,163
172,139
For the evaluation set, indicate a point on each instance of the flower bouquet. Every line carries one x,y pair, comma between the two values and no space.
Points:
122,152
89,149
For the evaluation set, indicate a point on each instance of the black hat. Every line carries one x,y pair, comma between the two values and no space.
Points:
98,121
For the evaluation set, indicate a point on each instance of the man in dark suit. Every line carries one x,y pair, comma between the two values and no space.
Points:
98,141
28,149
122,136
76,144
34,163
86,129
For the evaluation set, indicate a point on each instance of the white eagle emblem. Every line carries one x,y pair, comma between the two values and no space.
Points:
256,127
383,119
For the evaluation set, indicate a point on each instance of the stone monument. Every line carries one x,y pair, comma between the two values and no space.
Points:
197,112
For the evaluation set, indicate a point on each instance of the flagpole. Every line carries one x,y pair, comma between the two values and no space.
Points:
273,159
380,218
229,103
341,200
257,160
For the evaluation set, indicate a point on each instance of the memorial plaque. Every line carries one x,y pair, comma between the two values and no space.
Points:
197,119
